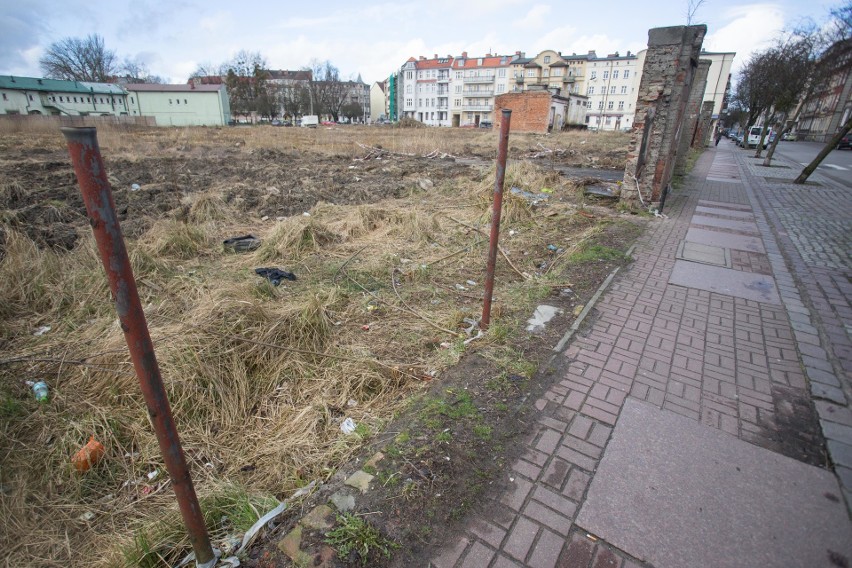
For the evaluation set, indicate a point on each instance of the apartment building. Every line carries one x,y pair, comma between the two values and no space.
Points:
548,70
611,84
475,83
426,89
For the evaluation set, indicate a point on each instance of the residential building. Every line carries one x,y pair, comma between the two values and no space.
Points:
611,84
718,83
828,108
475,81
180,105
378,98
31,95
547,70
358,93
426,89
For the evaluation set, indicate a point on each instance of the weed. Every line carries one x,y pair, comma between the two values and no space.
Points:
597,253
443,437
482,431
354,535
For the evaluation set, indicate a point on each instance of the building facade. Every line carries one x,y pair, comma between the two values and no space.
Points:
52,97
180,105
611,84
547,70
827,109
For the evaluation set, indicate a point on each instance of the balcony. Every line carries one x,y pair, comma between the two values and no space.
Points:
479,79
479,93
444,79
519,78
485,107
442,107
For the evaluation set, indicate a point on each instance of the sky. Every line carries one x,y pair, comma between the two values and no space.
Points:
373,38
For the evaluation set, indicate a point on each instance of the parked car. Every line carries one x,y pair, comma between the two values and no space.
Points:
789,137
310,121
485,124
276,122
845,142
753,138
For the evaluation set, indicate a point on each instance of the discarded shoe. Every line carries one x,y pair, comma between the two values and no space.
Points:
274,275
244,243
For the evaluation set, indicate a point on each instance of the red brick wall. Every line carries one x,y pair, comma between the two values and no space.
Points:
530,110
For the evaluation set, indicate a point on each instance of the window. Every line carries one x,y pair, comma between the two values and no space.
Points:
624,90
31,97
457,102
609,105
458,88
5,98
177,101
459,73
612,90
626,73
606,74
547,59
600,105
408,74
61,100
75,99
132,101
588,104
184,101
615,74
530,72
408,102
620,105
88,100
500,88
609,120
102,100
170,101
501,72
557,72
408,89
594,75
591,91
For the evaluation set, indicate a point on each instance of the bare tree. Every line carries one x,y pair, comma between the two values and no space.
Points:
835,59
692,7
76,59
136,71
328,92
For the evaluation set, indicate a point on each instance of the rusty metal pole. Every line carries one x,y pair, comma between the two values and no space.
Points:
502,152
97,195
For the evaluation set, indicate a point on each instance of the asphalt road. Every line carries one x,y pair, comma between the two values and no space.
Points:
837,165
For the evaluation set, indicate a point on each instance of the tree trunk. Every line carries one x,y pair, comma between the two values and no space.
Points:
759,149
768,161
831,145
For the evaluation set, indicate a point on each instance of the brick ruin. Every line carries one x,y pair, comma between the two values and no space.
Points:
689,129
671,62
705,119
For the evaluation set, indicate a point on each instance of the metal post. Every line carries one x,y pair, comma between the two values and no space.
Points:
97,195
503,150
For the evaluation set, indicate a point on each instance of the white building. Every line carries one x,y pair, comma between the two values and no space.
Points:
52,97
180,105
475,82
611,84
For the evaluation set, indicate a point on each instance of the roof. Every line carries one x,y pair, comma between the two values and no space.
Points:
56,85
440,63
301,75
155,88
493,61
531,64
559,63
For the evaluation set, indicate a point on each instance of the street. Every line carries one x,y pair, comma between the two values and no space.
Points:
837,166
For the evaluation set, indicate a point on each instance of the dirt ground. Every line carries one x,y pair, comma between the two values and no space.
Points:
386,230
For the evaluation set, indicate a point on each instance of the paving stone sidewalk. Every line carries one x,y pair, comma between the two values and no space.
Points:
730,331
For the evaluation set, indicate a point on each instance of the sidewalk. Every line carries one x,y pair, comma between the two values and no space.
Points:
703,417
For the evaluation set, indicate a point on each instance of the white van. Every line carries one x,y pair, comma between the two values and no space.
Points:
310,121
753,138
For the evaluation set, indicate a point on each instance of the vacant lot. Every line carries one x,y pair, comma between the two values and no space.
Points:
386,232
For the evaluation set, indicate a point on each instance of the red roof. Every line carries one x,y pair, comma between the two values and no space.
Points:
493,61
434,63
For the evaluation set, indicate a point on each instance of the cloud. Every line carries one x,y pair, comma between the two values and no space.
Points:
750,28
21,29
536,18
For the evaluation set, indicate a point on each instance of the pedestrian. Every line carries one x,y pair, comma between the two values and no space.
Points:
718,136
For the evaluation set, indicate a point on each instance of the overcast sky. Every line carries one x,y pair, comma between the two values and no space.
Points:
373,38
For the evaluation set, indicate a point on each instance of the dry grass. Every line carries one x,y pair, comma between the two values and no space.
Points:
259,377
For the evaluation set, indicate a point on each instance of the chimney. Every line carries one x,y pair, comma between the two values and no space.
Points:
518,53
628,53
436,56
422,58
464,54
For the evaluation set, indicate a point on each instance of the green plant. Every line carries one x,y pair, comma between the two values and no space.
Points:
354,535
443,437
595,253
482,431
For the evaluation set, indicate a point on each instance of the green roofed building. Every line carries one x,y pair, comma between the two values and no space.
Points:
30,95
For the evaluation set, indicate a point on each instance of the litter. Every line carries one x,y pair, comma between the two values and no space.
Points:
552,248
87,516
533,198
365,327
88,456
460,287
42,330
40,390
152,475
135,187
242,243
470,283
348,426
275,275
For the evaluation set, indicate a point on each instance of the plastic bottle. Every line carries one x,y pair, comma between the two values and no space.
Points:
41,391
88,455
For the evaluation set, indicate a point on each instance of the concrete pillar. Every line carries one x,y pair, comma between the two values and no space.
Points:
670,63
705,130
689,128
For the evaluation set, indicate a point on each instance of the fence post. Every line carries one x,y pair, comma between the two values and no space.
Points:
502,152
97,195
